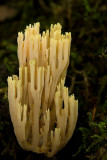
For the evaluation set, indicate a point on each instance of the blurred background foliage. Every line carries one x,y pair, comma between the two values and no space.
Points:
86,76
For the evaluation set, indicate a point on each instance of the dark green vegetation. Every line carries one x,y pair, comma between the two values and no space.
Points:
86,76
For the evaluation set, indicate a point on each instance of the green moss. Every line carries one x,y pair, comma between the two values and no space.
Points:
94,135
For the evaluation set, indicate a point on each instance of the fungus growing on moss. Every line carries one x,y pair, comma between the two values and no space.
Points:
43,114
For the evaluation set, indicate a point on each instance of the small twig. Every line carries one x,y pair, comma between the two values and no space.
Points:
86,84
94,112
68,9
72,85
43,5
29,157
5,150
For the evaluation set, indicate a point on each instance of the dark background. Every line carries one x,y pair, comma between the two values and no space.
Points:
86,76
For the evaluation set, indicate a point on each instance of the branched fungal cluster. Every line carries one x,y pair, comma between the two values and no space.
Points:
43,114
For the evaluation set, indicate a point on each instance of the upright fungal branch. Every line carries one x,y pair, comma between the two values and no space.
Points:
43,115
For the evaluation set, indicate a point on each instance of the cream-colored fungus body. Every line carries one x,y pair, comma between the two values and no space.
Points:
44,116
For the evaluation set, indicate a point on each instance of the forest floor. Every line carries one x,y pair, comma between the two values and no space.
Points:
86,75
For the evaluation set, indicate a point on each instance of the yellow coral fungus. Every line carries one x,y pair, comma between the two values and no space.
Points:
44,116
